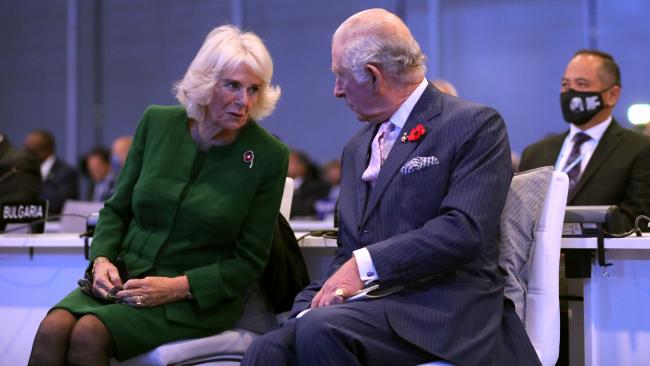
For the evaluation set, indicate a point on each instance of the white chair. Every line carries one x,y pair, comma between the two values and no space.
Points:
542,311
75,214
542,301
224,349
287,198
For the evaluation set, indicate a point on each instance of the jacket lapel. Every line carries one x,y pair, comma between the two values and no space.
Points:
610,140
52,174
427,107
551,154
361,160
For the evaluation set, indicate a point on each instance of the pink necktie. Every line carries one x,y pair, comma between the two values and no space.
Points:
377,154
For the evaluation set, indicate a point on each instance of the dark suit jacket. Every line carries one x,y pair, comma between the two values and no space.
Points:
439,223
305,197
618,172
61,183
20,177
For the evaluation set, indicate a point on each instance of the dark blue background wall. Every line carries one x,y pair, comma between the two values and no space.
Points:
126,54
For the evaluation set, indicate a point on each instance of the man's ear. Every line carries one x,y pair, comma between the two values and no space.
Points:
613,94
375,76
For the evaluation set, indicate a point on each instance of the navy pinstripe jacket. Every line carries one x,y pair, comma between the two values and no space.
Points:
438,223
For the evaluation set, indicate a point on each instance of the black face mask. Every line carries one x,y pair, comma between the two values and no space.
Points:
580,107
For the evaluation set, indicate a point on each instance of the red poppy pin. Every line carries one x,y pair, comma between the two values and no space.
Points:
415,134
248,158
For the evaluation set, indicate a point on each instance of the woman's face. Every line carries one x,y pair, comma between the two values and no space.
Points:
234,96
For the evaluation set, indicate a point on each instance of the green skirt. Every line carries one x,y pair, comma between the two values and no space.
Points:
134,330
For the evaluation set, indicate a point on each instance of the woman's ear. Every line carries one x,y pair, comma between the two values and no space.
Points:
375,76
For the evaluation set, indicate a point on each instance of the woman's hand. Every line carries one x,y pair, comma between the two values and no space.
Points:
154,291
106,278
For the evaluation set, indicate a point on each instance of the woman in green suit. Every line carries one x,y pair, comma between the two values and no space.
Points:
191,219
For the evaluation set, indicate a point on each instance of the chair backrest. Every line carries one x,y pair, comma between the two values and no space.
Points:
75,214
542,300
287,198
530,235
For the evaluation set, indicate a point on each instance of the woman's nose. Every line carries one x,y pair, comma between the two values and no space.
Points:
241,98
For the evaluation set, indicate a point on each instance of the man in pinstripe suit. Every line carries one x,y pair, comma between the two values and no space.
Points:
423,186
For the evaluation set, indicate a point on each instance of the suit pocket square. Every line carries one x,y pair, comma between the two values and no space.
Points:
418,163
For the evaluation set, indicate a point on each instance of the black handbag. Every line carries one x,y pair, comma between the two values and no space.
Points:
286,273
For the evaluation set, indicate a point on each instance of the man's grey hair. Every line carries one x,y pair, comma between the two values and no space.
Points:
380,38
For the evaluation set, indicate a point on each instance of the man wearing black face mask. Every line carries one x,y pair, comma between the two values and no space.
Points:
606,164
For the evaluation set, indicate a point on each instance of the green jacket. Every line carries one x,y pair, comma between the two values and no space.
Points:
209,215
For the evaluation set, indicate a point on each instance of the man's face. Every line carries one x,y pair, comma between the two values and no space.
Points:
34,145
582,74
296,167
358,96
97,168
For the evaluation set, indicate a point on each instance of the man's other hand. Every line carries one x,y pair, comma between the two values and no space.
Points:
344,283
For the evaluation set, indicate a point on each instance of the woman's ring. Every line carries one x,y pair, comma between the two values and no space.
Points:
138,300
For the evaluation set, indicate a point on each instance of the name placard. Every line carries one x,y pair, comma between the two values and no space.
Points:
23,212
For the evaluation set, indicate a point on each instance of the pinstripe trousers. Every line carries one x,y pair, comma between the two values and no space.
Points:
356,333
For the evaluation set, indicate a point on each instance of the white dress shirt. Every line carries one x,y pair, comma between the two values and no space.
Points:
46,166
586,149
367,271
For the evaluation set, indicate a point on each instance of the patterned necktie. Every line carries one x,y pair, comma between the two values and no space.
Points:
572,166
378,153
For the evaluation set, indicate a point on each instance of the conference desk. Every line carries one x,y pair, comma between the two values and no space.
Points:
616,307
38,270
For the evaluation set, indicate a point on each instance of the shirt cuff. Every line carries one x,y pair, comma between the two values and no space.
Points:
367,271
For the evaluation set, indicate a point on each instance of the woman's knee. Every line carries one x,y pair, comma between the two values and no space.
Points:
56,326
89,335
51,339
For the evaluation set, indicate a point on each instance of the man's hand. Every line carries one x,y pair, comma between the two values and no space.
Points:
342,284
154,291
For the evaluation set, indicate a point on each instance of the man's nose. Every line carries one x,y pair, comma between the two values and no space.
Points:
338,91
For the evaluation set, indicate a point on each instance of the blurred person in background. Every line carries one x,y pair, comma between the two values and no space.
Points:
307,186
101,174
325,207
445,87
60,181
119,151
606,163
20,178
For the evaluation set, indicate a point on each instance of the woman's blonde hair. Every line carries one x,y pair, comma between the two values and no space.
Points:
224,50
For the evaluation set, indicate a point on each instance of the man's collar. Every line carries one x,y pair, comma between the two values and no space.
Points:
595,132
402,114
46,166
